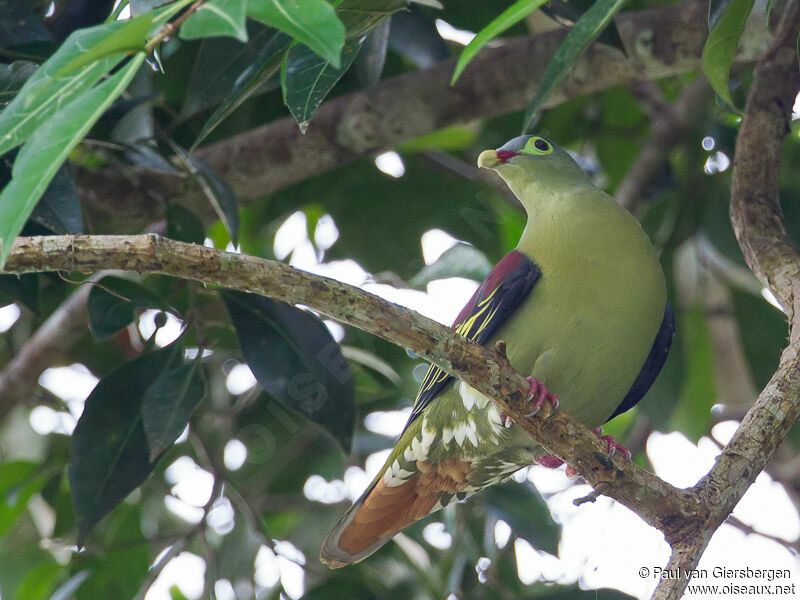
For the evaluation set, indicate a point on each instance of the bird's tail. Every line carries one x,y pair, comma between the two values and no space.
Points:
397,498
374,519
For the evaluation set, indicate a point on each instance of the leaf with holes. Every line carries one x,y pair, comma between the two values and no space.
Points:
295,359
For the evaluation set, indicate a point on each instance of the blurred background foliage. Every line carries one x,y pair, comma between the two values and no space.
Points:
262,471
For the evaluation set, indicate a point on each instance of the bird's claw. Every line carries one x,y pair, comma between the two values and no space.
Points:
544,395
613,445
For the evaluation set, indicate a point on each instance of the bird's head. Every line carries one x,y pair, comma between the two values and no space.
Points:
533,166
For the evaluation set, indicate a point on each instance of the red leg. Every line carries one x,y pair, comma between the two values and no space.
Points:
613,446
545,395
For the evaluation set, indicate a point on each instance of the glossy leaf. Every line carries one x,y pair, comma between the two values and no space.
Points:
306,79
462,260
311,22
59,209
12,77
140,6
372,56
21,288
109,456
511,16
168,404
20,25
219,194
183,225
360,16
295,359
217,18
721,46
583,33
112,303
571,10
414,37
40,159
522,507
716,8
254,77
147,156
223,65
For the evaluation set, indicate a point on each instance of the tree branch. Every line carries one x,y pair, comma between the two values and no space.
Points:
669,509
756,218
659,42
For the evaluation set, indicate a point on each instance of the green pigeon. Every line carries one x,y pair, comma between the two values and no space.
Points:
581,306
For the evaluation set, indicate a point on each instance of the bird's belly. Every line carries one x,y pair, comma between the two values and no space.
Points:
586,350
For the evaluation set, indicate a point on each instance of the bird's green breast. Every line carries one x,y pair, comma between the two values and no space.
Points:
592,317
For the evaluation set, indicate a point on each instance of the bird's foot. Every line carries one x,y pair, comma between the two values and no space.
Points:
549,460
613,446
553,462
544,395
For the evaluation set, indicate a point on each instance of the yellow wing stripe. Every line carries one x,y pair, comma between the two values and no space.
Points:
435,375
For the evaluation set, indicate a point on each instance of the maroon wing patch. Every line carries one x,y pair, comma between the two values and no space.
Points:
498,296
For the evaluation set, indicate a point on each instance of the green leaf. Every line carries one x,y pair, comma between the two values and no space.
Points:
306,79
108,39
360,16
22,288
253,78
295,359
112,303
583,33
42,95
12,77
311,22
462,260
59,209
140,6
523,508
217,18
692,414
372,57
39,581
510,16
183,225
168,404
219,194
40,159
221,64
18,483
109,456
721,47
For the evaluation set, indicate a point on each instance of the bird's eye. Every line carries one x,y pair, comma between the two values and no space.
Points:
538,146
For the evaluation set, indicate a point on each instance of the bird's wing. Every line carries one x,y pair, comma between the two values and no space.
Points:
498,296
652,366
